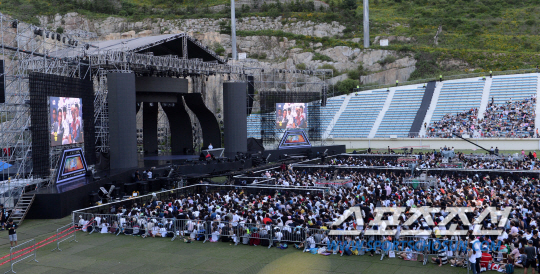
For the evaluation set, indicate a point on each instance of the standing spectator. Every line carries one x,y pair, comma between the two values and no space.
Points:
13,234
3,216
530,251
472,258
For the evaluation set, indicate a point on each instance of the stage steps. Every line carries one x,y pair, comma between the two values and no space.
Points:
21,209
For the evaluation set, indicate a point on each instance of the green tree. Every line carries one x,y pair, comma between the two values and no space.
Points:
349,5
346,86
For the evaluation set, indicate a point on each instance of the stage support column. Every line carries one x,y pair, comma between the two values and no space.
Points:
181,133
235,119
150,128
122,120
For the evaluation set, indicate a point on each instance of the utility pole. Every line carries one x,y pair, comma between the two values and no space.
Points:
233,31
366,23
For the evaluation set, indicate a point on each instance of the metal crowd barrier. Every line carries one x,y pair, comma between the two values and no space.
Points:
83,221
65,233
155,226
29,249
224,231
255,234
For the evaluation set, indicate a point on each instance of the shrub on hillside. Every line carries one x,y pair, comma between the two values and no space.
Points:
322,57
346,86
328,66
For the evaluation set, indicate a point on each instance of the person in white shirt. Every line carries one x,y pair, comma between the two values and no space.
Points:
407,254
290,119
149,174
65,126
310,243
163,232
104,227
477,249
210,146
278,235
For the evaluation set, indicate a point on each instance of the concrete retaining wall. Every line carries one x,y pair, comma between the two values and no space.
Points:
436,143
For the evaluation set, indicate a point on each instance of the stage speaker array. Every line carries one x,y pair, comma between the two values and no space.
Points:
235,119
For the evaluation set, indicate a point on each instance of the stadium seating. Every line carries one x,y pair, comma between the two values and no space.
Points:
400,116
360,115
254,126
458,97
329,111
515,88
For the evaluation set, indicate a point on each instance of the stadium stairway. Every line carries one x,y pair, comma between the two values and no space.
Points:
23,205
485,98
537,110
431,109
421,113
336,116
382,113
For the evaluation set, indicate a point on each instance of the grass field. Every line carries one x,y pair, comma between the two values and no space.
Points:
100,253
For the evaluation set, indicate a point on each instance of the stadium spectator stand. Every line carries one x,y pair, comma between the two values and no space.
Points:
358,118
499,107
400,116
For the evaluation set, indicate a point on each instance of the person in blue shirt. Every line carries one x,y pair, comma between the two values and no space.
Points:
346,247
333,246
356,246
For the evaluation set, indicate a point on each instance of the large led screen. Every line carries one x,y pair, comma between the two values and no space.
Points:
291,115
72,165
65,116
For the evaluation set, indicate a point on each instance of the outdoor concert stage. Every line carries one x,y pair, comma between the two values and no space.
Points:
278,154
60,200
171,157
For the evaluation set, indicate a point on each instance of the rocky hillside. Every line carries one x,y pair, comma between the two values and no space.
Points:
272,51
426,38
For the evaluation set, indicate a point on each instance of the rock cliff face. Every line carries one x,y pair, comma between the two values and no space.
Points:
278,52
113,27
379,66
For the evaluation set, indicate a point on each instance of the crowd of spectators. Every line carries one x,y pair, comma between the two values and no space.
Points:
433,159
461,123
235,215
513,119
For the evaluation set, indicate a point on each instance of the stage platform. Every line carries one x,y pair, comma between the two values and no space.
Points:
170,157
60,200
277,154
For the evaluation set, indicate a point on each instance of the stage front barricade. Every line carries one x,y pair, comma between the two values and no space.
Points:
83,221
420,247
158,227
224,232
455,249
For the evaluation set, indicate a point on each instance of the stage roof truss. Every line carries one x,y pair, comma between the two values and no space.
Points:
27,48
